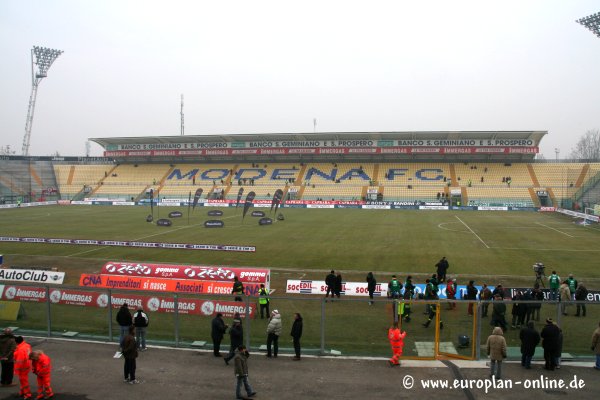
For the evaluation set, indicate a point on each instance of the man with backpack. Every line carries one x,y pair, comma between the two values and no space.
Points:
140,321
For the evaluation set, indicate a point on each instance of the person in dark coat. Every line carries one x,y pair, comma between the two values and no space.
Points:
581,294
297,334
537,295
338,285
371,285
471,295
442,268
8,346
550,342
217,331
130,353
236,333
498,313
530,338
518,310
125,320
330,283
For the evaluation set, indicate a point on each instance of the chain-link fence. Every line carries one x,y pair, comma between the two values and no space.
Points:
338,327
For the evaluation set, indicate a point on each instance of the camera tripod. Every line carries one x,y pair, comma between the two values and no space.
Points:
539,281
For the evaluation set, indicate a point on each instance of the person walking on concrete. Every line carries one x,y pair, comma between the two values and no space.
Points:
124,320
217,331
296,335
23,366
263,301
496,350
550,342
130,353
396,338
7,350
42,367
530,338
273,333
141,322
330,283
236,334
596,346
241,372
371,286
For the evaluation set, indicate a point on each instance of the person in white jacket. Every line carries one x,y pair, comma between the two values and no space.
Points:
273,333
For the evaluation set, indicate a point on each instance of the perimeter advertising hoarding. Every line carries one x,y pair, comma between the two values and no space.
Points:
149,303
163,285
359,288
197,272
31,275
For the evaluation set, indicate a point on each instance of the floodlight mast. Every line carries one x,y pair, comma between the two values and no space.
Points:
591,22
41,61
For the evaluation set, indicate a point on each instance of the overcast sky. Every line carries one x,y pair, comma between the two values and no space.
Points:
273,66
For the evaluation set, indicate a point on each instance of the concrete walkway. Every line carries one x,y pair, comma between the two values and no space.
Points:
84,370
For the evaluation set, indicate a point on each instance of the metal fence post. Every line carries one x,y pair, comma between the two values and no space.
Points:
110,330
176,303
48,313
247,322
477,340
322,326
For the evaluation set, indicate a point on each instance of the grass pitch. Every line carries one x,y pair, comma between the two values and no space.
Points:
484,246
385,241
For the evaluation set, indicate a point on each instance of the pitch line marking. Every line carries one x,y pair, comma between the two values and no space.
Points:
538,249
473,232
554,229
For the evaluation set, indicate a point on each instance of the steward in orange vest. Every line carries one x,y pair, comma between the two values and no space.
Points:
397,342
41,366
23,366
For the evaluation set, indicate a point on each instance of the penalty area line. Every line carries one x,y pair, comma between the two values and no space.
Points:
473,232
554,229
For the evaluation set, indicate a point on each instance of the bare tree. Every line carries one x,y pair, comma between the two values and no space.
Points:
588,146
6,151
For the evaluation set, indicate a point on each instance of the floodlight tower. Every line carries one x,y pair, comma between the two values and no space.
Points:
591,22
41,60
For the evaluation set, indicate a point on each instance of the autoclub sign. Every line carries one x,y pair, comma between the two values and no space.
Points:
31,275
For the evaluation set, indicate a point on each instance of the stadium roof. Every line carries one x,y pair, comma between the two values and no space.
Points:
536,136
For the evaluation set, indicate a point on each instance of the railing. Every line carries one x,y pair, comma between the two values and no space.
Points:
347,326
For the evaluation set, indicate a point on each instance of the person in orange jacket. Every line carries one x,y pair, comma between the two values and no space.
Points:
40,364
396,338
23,366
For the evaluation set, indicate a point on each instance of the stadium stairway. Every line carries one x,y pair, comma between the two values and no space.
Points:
552,196
534,197
534,178
584,172
453,175
464,195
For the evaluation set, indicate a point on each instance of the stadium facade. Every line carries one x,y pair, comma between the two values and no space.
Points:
466,169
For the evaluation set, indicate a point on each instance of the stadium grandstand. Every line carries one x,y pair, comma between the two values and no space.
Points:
448,169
